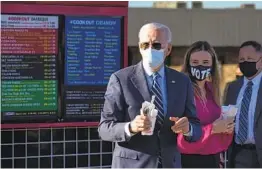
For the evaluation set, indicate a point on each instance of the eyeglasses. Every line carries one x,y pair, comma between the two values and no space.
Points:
146,45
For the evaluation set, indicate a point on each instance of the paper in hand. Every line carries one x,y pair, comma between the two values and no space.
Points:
148,107
229,111
232,110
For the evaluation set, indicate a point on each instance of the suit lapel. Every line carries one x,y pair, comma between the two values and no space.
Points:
259,103
236,89
172,88
139,81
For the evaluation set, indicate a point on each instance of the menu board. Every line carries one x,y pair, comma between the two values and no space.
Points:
29,66
93,49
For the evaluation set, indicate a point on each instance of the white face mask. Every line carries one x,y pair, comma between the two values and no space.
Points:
152,57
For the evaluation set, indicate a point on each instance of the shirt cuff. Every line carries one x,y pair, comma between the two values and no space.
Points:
190,133
127,131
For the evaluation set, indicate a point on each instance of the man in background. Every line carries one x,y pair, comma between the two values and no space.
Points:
121,119
246,93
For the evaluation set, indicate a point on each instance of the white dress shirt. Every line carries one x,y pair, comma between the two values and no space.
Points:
252,107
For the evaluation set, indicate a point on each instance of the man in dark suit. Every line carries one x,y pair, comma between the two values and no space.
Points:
246,93
121,120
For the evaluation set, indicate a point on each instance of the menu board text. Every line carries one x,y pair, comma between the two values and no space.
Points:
93,52
29,65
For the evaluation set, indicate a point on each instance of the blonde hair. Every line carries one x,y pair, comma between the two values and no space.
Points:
215,73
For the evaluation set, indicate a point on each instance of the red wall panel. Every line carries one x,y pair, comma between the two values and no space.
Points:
77,8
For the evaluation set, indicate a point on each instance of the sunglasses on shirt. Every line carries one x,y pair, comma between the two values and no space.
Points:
146,45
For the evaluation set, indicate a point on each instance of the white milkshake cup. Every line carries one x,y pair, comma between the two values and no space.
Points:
152,117
151,113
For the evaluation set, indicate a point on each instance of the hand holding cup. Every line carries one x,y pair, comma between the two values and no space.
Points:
140,123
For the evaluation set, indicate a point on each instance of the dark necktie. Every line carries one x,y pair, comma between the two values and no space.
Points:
158,101
243,117
156,91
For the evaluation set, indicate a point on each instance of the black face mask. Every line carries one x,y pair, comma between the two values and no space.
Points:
248,69
200,72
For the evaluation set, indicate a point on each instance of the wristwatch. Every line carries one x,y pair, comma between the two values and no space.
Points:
130,129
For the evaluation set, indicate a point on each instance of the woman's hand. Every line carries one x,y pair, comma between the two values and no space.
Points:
230,128
223,126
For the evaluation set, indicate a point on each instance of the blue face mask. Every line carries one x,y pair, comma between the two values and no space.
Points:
152,57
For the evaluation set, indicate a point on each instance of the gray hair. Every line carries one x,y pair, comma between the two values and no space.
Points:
157,26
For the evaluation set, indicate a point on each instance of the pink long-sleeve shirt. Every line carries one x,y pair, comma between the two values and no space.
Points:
208,143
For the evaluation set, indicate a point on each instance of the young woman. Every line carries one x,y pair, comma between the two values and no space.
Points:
201,65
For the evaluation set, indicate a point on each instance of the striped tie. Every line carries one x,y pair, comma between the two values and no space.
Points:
243,117
159,106
158,101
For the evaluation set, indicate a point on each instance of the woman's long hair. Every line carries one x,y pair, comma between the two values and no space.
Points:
215,73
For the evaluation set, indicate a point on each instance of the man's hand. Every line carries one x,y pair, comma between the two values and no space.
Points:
140,123
181,125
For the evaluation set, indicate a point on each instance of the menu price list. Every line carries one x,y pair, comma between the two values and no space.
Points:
29,83
83,102
33,95
29,60
28,67
29,34
29,41
93,49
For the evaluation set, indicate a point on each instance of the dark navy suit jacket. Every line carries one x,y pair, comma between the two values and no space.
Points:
126,91
231,95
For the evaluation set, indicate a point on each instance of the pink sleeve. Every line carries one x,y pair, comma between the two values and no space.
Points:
208,140
223,140
189,147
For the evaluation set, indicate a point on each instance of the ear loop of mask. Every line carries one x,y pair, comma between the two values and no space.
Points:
259,60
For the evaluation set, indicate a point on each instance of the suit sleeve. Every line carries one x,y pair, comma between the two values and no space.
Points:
226,95
112,125
190,113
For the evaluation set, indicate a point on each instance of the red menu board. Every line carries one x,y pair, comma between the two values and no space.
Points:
26,34
29,59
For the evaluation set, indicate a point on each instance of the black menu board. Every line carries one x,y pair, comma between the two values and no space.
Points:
93,51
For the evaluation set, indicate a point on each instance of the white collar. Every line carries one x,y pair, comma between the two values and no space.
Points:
256,80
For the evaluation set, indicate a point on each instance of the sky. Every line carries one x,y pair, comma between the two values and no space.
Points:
206,4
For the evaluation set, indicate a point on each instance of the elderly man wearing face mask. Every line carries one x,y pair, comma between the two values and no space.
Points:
246,93
121,119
